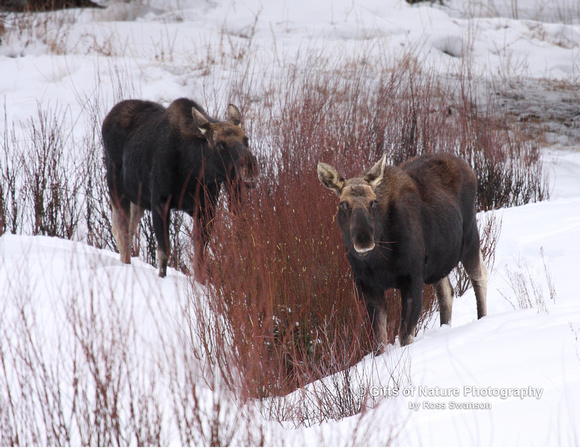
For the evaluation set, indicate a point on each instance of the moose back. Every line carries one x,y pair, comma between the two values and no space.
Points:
406,226
178,157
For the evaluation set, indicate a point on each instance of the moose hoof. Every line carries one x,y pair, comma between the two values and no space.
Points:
406,340
380,349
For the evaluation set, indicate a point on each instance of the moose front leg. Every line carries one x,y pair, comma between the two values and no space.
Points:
411,304
161,229
204,221
234,190
377,312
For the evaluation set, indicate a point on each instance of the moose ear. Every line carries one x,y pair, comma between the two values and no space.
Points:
234,115
330,178
376,173
200,120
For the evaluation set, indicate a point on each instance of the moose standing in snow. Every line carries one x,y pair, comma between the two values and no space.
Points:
178,157
406,226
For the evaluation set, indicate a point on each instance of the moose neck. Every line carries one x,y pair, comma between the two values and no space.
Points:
217,168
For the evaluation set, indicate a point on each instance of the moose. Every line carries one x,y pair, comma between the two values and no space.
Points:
160,159
405,226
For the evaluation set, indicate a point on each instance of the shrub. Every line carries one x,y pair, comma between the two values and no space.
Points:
281,281
282,307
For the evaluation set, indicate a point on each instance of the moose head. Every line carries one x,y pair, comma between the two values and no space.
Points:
231,159
358,210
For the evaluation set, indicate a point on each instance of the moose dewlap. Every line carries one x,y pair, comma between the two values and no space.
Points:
407,226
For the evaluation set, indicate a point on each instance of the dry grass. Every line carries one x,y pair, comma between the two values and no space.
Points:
526,285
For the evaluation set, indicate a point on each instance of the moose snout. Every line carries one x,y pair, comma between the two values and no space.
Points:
362,231
249,177
248,169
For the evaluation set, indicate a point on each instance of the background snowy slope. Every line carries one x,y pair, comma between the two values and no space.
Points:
191,48
162,50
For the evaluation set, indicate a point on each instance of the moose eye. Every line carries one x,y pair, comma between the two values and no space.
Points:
373,205
343,206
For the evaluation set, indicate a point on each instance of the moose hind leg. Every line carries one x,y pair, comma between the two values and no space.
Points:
161,229
136,215
120,227
477,273
444,293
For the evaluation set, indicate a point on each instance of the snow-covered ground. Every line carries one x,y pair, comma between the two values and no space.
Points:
521,365
164,49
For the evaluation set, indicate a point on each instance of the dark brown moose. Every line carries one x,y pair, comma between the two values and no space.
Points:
178,157
406,226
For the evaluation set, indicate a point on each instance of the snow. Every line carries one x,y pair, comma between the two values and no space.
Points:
160,50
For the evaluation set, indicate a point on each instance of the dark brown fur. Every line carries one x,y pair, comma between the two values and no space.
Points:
176,158
406,226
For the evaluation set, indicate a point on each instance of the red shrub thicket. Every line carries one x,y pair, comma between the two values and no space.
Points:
283,307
